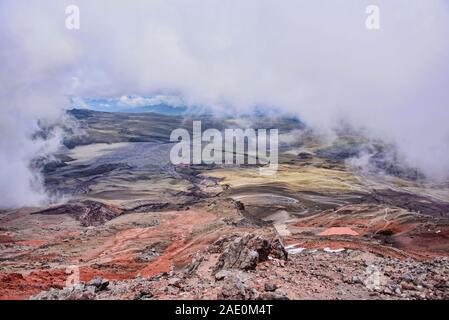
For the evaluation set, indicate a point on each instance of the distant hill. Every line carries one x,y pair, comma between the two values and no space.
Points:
113,106
165,109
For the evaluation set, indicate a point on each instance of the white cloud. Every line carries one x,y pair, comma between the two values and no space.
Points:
312,58
137,101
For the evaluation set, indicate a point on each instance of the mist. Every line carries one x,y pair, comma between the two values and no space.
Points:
315,59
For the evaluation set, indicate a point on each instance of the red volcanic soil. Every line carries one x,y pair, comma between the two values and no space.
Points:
36,250
381,230
111,251
338,231
16,286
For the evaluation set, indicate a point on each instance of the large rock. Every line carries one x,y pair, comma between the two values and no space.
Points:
246,251
277,250
99,284
234,288
80,291
87,212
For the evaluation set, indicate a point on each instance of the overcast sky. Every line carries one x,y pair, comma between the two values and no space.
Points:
314,58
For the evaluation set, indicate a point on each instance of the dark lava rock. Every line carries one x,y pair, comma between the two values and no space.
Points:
88,212
277,250
144,295
270,287
305,156
99,284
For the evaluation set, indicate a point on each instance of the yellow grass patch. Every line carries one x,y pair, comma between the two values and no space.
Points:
296,178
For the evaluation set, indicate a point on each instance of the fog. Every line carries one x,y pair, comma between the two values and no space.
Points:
314,58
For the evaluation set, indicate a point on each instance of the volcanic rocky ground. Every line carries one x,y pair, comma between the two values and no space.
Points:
133,226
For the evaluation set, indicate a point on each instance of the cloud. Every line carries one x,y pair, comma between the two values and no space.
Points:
312,58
